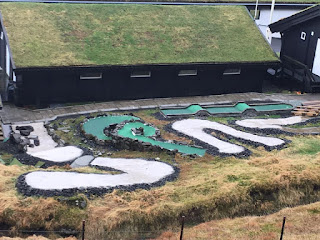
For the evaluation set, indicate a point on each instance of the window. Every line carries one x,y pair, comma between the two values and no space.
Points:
90,76
232,71
141,74
303,35
191,72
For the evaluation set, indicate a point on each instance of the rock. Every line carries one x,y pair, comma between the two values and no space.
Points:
36,142
61,142
25,142
157,158
50,131
109,153
29,128
25,132
16,137
82,161
33,137
63,128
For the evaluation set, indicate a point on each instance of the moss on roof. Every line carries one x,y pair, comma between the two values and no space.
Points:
107,34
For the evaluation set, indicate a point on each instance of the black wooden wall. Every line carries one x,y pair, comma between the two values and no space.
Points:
298,49
43,86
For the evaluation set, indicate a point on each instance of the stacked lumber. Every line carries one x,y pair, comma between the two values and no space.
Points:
309,109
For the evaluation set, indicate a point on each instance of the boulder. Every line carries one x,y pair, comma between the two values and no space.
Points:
82,161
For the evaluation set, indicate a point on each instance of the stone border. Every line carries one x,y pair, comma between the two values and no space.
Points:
26,190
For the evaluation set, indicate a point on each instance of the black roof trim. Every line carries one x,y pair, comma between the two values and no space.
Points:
300,17
147,66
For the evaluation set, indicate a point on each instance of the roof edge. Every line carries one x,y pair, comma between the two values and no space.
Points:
75,67
295,19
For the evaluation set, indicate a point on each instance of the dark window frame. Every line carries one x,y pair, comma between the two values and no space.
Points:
188,72
232,71
95,76
140,74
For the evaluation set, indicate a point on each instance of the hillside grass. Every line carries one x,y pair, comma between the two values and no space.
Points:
210,187
119,34
301,223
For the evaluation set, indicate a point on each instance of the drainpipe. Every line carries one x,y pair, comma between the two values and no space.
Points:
269,34
256,10
272,8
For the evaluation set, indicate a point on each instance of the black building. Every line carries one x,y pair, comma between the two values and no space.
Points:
300,51
91,58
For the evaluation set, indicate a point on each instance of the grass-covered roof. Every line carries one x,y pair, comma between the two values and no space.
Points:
217,1
109,34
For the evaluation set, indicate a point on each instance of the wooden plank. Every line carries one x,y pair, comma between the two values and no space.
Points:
309,106
311,103
312,114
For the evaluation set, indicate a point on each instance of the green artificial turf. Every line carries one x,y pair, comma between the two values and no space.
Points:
128,34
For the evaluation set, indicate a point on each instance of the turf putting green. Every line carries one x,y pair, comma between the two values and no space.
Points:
95,126
225,109
126,131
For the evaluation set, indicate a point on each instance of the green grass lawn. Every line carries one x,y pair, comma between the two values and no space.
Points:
79,34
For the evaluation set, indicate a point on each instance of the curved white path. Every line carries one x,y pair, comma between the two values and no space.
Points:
59,154
136,171
274,123
195,128
48,150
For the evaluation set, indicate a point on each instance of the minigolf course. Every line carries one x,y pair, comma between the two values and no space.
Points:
95,127
149,131
238,108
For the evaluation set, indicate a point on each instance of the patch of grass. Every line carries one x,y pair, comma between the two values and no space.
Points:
300,224
308,124
306,145
82,34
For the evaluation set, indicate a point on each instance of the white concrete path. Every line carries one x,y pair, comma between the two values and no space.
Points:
274,123
136,171
48,149
195,128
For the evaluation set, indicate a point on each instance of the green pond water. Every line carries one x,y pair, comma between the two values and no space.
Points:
149,131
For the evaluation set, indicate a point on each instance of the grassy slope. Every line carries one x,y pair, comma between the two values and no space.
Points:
301,224
207,188
75,34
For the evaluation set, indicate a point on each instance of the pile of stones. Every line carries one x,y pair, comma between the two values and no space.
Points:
24,138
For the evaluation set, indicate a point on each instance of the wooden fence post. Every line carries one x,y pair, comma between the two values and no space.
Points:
282,229
182,226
